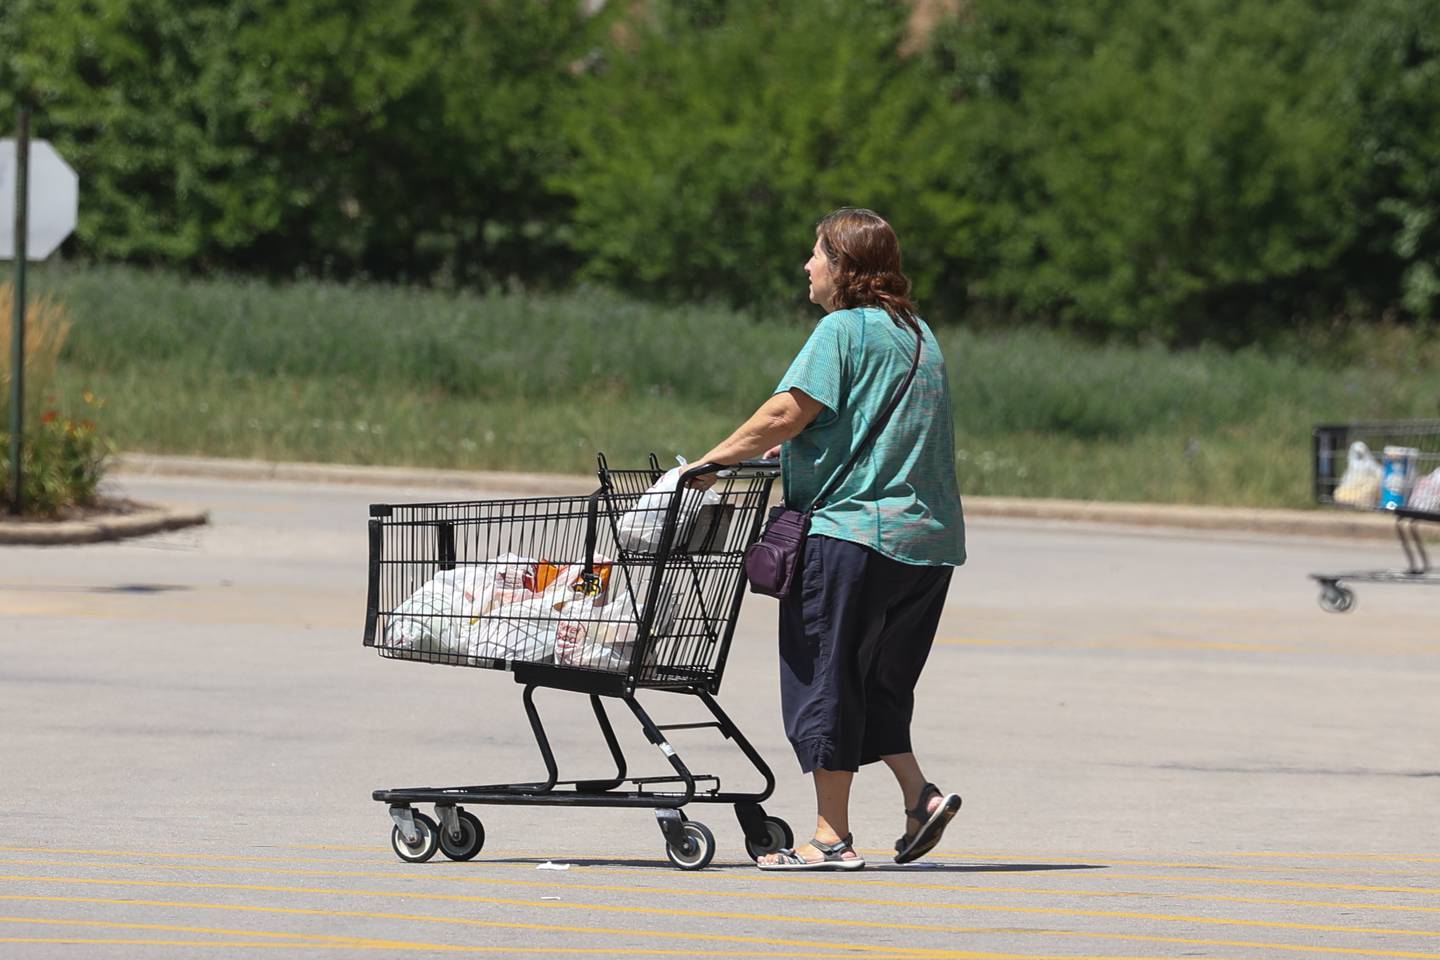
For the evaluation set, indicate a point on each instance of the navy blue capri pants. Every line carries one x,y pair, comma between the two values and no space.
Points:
853,641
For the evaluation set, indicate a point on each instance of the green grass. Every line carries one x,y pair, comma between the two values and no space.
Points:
356,374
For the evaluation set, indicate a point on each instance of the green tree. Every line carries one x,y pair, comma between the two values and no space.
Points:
1176,169
396,139
1391,75
704,153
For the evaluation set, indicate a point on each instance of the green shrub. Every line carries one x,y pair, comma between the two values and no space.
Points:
62,456
62,461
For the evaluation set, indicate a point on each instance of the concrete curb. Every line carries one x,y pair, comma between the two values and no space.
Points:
141,520
537,484
1307,523
1304,523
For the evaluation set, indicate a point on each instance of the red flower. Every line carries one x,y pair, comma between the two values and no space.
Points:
48,416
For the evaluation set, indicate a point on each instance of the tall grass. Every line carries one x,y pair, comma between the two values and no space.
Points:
47,325
360,374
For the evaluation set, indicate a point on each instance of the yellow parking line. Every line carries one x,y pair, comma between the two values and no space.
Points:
571,884
725,915
1111,859
118,942
967,857
1252,854
1298,884
1184,878
872,952
292,941
673,935
161,855
507,951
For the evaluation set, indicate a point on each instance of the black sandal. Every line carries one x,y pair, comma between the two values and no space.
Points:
915,845
833,858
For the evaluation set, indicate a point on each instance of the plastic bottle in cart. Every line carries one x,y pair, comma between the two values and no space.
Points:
1399,473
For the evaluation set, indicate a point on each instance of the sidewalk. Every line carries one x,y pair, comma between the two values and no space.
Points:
1309,523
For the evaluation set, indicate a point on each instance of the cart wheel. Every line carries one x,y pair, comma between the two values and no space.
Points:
472,838
1336,599
698,849
778,836
425,846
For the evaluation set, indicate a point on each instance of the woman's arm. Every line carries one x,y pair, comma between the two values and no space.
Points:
780,418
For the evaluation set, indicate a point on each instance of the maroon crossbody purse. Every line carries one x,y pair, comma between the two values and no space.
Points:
773,562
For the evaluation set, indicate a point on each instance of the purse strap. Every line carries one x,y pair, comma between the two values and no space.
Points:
877,426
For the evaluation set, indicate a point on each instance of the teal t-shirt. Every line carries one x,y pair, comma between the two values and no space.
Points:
901,497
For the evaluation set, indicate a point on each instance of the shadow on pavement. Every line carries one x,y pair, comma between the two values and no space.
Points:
871,866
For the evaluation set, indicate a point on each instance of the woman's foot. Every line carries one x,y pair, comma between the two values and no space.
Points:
925,824
815,855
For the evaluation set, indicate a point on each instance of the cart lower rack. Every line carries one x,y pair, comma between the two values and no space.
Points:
1392,466
631,588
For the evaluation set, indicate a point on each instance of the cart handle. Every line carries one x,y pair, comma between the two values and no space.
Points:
745,468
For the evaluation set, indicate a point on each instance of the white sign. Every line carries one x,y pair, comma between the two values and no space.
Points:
54,200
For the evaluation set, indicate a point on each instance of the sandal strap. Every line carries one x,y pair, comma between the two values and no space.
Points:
833,849
922,811
787,856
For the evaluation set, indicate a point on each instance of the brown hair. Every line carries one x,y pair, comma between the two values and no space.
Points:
864,258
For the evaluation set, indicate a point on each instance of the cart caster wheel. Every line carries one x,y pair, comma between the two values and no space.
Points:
778,836
472,838
698,849
1337,599
426,844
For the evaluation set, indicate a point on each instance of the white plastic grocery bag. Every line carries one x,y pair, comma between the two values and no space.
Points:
524,630
639,528
439,617
1426,495
1360,484
603,637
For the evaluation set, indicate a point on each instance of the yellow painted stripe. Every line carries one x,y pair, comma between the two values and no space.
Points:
505,951
968,857
159,855
573,884
828,879
674,935
1297,884
1111,859
724,915
624,951
130,942
870,952
289,941
169,927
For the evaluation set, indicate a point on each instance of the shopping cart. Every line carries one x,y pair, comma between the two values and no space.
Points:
1398,472
604,595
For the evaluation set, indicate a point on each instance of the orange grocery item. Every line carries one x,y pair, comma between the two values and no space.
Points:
544,575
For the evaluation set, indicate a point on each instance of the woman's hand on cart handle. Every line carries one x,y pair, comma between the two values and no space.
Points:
705,474
702,476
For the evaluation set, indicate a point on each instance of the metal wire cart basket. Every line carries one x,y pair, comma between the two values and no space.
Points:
1393,466
623,590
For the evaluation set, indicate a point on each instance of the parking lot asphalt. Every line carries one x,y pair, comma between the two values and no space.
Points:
1165,746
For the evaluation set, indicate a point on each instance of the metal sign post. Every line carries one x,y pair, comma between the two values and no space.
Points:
17,350
47,200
